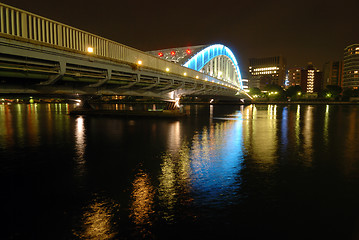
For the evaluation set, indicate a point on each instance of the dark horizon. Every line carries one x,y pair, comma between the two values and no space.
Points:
300,31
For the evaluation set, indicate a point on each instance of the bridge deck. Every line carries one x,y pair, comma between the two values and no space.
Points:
55,57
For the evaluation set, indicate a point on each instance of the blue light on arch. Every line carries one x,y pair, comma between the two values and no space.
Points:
200,59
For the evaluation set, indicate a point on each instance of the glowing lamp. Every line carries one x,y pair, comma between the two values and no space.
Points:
173,53
139,62
167,69
160,54
188,51
90,49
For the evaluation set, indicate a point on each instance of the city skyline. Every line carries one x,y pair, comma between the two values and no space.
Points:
300,31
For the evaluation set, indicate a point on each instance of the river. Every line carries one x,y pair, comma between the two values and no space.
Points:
224,172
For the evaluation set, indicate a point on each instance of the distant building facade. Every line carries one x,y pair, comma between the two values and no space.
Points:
254,82
311,79
351,67
245,84
294,76
269,70
333,73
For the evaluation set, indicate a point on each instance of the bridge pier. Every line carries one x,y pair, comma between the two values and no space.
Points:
54,78
105,80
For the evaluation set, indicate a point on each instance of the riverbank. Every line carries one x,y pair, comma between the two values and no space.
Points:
305,103
129,113
274,102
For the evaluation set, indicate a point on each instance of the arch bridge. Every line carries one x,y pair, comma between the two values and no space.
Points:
39,55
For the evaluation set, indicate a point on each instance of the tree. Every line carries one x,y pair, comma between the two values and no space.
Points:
334,89
348,92
293,91
331,91
255,91
274,91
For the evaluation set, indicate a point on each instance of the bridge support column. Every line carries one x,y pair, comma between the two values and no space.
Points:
174,97
103,81
137,79
153,85
54,78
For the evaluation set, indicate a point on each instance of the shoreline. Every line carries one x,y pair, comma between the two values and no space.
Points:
274,103
305,103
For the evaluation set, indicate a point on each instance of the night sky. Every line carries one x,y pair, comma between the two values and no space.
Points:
301,31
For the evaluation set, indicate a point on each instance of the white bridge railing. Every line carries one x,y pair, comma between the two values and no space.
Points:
22,24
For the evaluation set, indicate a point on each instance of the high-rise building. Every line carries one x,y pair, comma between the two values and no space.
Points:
294,76
269,70
254,82
311,79
333,73
351,67
245,84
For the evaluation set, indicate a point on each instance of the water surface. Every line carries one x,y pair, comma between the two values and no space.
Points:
229,172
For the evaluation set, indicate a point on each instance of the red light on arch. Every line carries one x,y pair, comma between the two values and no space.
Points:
160,54
188,51
173,53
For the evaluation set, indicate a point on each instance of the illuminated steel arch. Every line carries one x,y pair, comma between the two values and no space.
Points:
214,58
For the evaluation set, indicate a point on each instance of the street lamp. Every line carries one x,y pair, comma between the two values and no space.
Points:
90,49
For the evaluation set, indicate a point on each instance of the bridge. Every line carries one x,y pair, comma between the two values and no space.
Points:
39,55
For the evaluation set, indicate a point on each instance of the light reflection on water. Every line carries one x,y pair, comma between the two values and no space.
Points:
80,147
216,156
97,221
261,135
174,181
308,133
186,166
141,208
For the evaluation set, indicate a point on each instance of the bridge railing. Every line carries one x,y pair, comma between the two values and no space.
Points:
22,24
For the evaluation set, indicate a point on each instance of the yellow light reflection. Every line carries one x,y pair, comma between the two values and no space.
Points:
174,181
80,145
174,136
326,125
6,127
297,125
261,134
97,221
32,121
308,134
142,203
167,190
